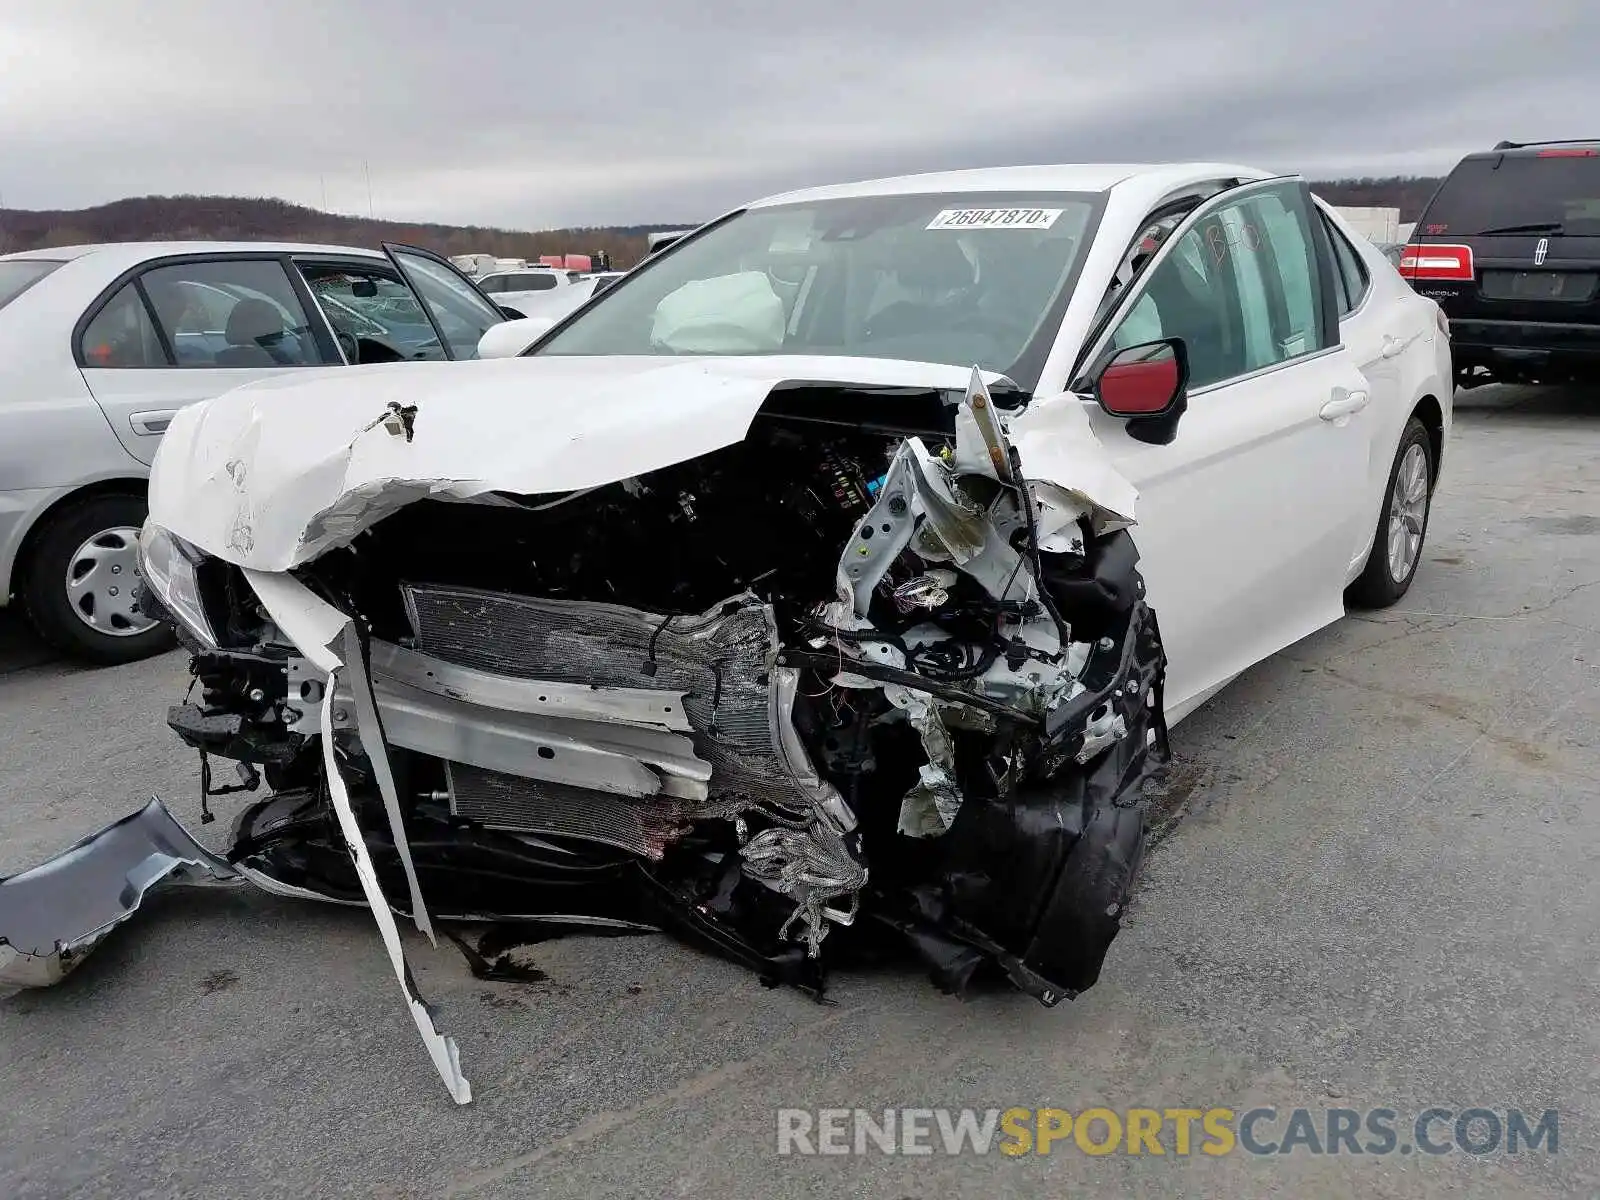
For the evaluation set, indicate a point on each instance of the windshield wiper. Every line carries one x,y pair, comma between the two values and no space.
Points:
1533,227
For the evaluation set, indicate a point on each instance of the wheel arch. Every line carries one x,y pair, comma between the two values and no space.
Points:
115,486
1431,414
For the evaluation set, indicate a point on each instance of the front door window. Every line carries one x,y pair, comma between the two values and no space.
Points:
460,312
1239,287
375,317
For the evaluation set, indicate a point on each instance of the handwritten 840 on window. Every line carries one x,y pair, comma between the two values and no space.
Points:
1221,238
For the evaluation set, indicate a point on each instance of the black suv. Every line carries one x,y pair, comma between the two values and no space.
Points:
1509,247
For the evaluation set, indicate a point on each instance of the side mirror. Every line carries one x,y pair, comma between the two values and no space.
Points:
510,338
1148,385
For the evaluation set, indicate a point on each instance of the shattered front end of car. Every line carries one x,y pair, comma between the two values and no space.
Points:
854,683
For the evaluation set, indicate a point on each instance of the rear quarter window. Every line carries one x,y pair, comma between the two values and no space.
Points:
1353,278
19,274
1558,188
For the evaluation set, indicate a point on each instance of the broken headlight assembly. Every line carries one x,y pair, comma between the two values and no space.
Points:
170,569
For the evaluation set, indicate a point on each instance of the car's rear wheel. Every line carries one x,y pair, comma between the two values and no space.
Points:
1402,524
78,583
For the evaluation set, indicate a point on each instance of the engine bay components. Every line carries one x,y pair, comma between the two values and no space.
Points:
844,683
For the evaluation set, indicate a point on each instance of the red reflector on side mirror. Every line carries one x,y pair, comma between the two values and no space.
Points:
1436,262
1133,389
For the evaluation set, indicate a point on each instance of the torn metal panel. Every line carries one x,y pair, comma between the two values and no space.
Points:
1057,445
982,447
369,729
796,759
442,1050
929,808
52,915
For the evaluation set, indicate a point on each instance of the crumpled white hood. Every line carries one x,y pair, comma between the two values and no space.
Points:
275,473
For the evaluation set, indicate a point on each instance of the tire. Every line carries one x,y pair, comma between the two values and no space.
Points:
93,539
1381,583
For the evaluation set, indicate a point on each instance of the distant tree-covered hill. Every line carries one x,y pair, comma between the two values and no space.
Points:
235,218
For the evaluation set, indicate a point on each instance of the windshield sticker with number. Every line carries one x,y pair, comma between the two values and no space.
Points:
995,218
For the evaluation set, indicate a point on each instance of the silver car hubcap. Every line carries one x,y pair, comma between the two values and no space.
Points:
1408,512
100,578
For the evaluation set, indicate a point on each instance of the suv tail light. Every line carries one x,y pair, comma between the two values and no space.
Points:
1436,262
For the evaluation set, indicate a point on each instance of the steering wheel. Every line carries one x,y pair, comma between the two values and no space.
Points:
348,345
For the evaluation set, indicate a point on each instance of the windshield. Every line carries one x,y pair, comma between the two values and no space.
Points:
969,279
1557,193
20,274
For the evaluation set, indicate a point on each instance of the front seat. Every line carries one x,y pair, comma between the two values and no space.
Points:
935,272
1188,309
255,337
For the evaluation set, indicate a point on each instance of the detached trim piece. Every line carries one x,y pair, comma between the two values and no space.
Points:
443,1050
369,728
52,915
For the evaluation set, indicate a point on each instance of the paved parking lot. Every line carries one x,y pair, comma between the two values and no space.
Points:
1377,887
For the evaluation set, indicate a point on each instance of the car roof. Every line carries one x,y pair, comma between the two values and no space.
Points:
1062,177
1536,149
122,255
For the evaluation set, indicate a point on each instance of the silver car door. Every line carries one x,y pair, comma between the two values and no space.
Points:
186,330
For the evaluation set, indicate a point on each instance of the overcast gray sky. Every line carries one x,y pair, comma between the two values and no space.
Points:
539,113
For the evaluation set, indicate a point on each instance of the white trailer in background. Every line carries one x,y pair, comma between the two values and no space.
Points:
1379,225
473,264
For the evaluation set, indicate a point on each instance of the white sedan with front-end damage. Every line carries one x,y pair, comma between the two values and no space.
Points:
798,592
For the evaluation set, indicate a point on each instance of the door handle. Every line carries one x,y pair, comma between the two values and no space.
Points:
1344,403
152,422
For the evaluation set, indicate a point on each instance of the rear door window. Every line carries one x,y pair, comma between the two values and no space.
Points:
1549,192
238,313
534,281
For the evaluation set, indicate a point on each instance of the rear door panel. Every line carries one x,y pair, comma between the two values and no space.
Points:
177,312
140,404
